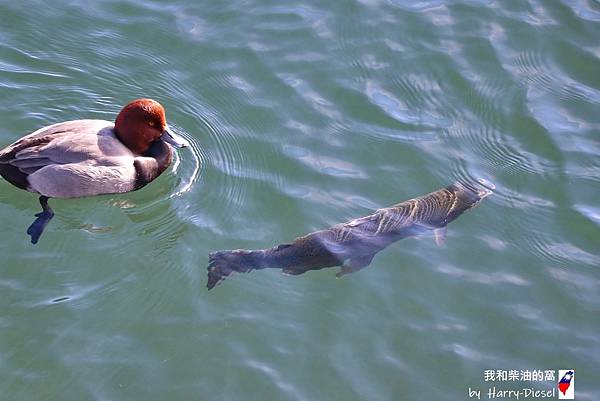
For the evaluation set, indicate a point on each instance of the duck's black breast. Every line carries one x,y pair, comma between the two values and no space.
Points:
152,163
13,175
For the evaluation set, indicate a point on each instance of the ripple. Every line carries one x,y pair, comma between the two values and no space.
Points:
582,282
501,151
590,212
273,375
483,278
537,69
301,116
590,172
5,67
354,40
398,110
418,5
522,200
569,254
192,25
311,96
228,157
324,164
461,172
236,162
195,169
164,226
585,10
397,135
464,351
534,67
423,91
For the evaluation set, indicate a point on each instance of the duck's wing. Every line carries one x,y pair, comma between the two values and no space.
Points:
70,159
62,143
15,171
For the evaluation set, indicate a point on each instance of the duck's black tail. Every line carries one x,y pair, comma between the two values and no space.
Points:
222,263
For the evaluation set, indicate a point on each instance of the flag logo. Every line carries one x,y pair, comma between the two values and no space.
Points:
566,385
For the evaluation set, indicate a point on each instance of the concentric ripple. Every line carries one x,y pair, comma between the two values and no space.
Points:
301,116
197,160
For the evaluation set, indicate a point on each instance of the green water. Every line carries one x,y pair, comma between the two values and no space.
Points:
302,115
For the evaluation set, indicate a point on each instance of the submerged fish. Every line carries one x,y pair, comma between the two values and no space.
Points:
352,245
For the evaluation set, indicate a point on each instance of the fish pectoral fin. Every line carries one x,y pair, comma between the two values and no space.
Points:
439,236
355,264
290,271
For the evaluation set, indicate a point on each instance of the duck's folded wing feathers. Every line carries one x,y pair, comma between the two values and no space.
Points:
62,143
72,159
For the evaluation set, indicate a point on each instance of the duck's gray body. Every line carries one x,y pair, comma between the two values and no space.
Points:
354,244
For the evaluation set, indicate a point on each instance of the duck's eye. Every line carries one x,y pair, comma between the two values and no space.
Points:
151,123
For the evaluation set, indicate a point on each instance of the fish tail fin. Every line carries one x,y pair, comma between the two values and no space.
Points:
222,263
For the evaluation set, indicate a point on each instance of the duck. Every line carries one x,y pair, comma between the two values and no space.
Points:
83,158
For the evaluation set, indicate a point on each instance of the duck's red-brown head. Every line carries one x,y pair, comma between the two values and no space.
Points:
142,122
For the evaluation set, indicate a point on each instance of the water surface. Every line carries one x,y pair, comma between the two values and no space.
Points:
301,116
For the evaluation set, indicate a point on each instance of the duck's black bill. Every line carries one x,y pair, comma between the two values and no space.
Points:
173,139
